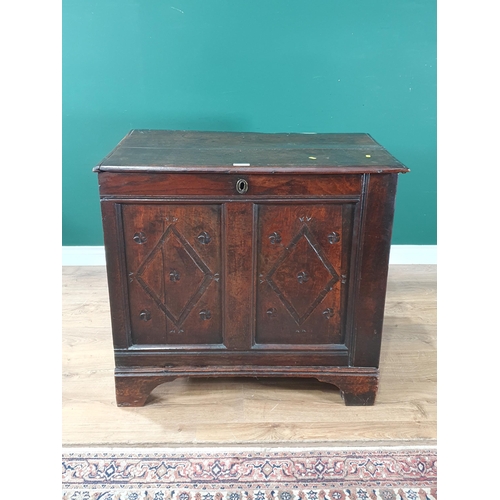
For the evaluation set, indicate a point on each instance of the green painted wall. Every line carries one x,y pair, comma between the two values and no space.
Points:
259,65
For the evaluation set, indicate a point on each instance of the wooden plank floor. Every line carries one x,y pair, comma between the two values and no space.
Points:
264,412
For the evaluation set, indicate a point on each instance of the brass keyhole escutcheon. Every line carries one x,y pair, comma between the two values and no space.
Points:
241,186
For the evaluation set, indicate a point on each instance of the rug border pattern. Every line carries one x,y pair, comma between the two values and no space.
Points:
245,471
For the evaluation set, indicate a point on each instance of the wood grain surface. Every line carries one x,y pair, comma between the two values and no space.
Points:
180,150
236,411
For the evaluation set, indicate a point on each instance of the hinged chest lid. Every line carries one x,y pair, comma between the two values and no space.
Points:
234,152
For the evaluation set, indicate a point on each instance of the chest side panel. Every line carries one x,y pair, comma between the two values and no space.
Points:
302,266
173,264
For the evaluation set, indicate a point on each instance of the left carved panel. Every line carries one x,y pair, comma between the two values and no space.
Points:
173,265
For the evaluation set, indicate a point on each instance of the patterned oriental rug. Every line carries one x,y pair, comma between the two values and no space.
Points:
250,474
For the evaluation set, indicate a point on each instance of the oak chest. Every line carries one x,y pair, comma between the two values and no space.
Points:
247,254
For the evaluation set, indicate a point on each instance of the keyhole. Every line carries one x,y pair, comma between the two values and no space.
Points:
241,186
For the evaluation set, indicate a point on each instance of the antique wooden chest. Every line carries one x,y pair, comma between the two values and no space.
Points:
247,254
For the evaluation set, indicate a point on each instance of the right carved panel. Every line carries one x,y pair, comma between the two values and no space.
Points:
302,268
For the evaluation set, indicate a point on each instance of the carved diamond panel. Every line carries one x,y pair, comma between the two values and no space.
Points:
182,267
302,276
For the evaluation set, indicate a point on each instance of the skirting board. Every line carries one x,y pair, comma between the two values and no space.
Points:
400,254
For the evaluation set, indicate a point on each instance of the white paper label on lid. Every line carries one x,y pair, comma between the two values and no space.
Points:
241,164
